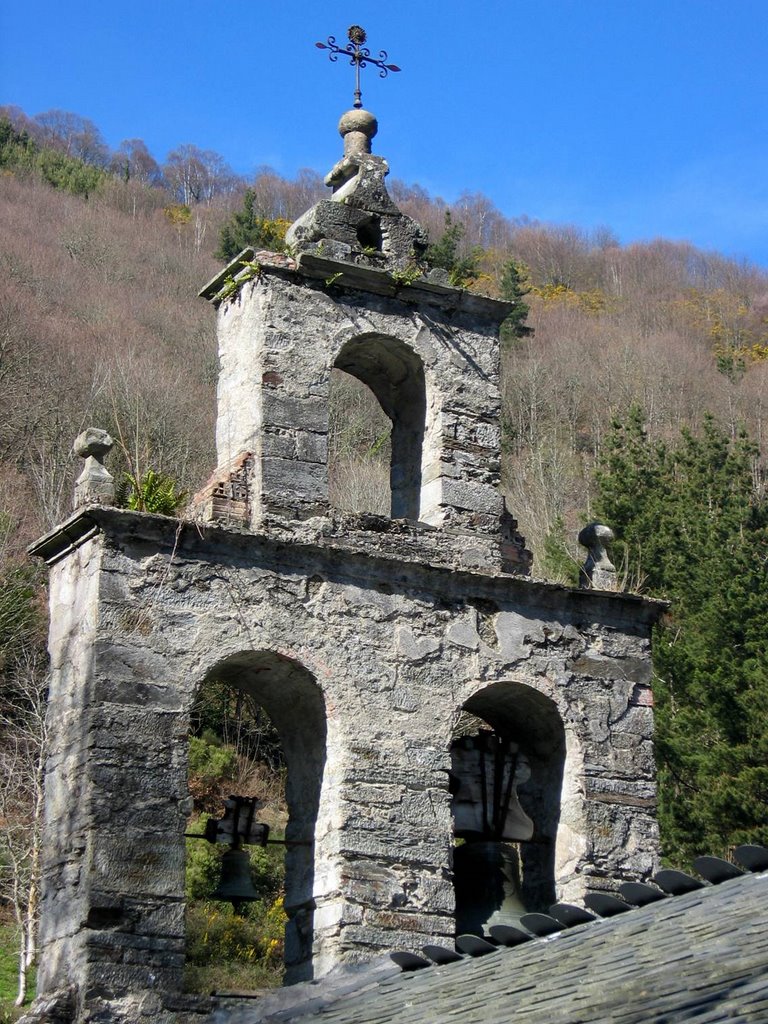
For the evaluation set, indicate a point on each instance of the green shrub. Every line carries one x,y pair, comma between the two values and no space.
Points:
232,951
212,767
210,760
203,866
268,870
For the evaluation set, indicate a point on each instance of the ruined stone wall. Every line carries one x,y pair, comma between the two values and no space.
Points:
394,648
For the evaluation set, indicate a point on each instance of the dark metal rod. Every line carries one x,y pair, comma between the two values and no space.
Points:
483,782
237,995
507,793
498,783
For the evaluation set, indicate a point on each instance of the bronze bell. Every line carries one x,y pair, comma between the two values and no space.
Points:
235,885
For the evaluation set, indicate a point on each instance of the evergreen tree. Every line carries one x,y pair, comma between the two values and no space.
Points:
445,254
246,227
69,174
514,287
17,151
689,524
555,561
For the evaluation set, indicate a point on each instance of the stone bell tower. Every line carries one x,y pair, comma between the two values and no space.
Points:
354,294
425,688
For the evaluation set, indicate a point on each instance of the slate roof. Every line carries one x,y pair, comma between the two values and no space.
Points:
701,956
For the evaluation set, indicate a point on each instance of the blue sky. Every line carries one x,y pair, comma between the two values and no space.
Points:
647,116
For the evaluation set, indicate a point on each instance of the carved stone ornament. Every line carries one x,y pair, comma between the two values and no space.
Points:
95,485
598,571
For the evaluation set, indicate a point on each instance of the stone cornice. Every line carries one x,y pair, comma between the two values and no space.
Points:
399,552
339,274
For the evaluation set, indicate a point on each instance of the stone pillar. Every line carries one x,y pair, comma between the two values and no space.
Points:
112,911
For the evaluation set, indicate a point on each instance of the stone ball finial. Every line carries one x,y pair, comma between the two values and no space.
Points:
598,571
93,441
95,485
357,128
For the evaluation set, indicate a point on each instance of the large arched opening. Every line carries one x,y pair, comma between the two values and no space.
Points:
394,373
359,448
507,757
293,702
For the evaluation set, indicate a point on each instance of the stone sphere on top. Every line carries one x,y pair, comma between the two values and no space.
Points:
357,127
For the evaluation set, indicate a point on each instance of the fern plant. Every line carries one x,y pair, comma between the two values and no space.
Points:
153,492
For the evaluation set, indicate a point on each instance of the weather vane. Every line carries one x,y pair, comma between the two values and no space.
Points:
359,55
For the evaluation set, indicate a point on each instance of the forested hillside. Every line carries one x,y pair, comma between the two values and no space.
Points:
636,389
103,254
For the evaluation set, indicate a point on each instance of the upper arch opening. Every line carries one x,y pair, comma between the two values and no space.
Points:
522,714
395,375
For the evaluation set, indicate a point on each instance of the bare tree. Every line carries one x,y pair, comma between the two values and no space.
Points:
198,175
74,135
134,162
23,740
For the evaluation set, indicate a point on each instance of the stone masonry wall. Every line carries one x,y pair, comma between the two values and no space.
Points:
67,847
274,380
112,915
395,647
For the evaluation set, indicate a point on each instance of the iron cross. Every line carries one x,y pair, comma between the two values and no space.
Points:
359,55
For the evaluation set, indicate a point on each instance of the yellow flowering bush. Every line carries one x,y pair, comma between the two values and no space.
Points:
229,950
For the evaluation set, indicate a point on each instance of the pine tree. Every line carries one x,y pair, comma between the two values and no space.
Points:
247,227
445,254
690,525
17,150
514,287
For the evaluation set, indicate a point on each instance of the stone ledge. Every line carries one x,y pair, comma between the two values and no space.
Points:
425,555
268,261
341,274
420,290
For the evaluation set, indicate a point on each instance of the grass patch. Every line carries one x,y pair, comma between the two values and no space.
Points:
227,977
9,974
9,962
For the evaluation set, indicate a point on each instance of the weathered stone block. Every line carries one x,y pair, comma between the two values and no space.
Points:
306,413
296,480
312,447
137,864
